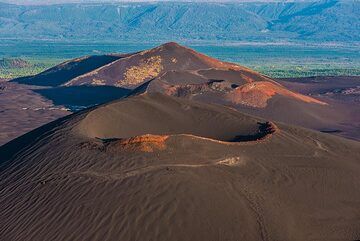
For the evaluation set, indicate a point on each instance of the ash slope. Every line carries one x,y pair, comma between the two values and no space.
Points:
154,167
341,92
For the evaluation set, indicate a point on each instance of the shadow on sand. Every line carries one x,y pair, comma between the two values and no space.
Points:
82,96
62,73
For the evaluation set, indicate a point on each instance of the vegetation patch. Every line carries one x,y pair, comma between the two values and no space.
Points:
147,69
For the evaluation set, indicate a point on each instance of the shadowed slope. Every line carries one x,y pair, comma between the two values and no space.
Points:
81,96
22,110
66,71
162,163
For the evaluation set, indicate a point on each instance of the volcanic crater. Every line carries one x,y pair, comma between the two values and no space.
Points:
146,119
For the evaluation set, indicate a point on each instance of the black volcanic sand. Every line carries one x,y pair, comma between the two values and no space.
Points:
343,95
154,167
22,110
341,117
25,107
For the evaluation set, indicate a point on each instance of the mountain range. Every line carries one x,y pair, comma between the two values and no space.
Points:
313,22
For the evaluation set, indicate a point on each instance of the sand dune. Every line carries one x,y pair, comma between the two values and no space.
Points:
156,167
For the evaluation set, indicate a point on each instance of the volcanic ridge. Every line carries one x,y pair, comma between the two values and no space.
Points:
179,71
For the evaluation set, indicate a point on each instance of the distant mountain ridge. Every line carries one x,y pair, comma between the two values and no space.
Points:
326,21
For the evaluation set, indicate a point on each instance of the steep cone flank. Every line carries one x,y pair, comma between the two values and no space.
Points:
138,68
155,167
